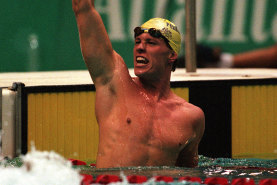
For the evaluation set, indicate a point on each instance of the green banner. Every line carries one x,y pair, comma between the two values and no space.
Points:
42,35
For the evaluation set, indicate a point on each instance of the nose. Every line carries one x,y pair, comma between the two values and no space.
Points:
140,47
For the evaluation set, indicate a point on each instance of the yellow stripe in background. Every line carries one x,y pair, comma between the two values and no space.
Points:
182,92
64,123
254,121
60,123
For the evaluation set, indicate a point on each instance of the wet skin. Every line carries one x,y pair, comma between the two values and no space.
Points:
144,132
141,121
147,124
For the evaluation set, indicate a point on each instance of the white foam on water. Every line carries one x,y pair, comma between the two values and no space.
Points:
41,168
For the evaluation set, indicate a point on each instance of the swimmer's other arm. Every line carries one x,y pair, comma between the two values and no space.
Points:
96,47
188,156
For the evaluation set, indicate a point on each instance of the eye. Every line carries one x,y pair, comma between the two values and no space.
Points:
137,41
151,42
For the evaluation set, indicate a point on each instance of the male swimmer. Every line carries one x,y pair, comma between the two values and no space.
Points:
141,121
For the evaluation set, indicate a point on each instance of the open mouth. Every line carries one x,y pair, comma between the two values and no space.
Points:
142,60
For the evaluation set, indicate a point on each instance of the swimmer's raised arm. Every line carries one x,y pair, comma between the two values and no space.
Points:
96,47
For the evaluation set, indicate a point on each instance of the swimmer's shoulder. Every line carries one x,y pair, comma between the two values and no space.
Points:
190,111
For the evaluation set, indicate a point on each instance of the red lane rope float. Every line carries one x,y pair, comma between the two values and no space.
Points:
164,178
243,181
136,179
216,181
77,162
87,179
106,179
268,182
190,179
93,165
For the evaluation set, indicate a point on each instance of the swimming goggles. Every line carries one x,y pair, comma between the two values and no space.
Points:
153,32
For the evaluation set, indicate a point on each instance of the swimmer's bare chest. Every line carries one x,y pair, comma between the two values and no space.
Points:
146,131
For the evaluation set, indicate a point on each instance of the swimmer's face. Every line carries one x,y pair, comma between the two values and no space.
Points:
151,56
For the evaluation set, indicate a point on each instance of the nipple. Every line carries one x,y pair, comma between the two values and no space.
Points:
129,120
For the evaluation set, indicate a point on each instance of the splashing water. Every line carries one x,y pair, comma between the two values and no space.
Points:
40,168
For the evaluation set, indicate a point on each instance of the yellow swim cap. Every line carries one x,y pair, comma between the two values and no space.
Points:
168,30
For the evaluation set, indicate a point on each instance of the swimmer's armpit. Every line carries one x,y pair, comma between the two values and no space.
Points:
188,157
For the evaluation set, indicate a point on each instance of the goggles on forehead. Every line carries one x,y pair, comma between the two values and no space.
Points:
153,32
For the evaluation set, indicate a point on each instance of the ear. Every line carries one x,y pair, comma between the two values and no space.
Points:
172,57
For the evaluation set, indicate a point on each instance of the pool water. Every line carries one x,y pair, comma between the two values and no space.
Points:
256,169
50,166
202,172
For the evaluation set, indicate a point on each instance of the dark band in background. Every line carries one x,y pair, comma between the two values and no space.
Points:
215,101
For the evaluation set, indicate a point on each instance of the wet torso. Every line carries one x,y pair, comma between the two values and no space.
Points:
138,130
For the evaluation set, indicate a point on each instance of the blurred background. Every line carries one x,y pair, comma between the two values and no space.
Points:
43,36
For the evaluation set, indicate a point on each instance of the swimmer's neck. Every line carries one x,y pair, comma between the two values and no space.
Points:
159,89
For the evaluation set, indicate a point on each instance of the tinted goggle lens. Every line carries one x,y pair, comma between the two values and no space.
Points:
155,33
152,31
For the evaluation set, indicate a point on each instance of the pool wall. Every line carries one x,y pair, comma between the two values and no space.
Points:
240,115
